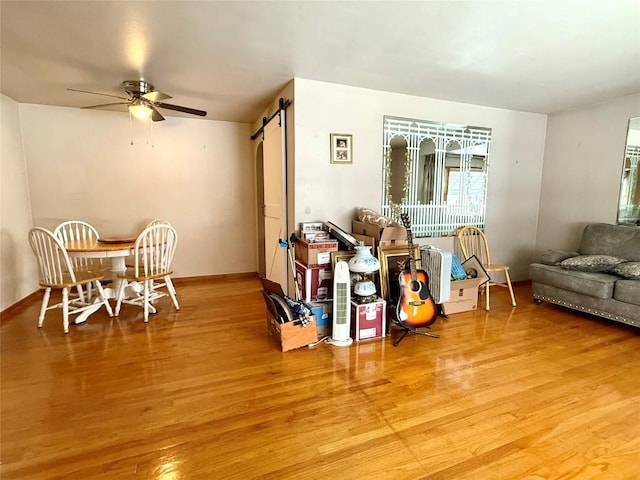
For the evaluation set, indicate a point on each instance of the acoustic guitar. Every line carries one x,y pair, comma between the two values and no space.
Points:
416,308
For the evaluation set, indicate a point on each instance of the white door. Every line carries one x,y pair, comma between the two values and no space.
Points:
260,209
274,211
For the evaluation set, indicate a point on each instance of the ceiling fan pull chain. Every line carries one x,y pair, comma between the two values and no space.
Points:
130,128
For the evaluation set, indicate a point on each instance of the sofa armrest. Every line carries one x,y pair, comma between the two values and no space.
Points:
551,257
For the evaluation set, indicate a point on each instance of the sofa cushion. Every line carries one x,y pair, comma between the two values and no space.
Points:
629,270
599,285
591,263
616,240
627,291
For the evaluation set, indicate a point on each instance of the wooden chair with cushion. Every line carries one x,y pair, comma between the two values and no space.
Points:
56,271
155,247
472,241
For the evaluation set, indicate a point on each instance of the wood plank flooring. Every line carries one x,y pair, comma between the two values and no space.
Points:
532,392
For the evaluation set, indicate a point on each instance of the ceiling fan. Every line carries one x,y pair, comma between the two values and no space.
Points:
143,101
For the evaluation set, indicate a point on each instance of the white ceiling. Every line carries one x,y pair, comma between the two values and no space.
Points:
233,58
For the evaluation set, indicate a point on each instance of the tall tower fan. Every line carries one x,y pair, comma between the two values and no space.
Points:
341,306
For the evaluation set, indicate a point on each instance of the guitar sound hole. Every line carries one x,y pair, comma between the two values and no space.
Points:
414,285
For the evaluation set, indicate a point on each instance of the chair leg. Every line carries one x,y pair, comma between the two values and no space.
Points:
172,292
90,293
120,296
65,310
81,294
104,300
513,298
147,286
487,296
43,307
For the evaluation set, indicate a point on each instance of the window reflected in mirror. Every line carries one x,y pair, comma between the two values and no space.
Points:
629,205
436,173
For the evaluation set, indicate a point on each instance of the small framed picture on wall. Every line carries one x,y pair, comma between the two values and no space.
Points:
341,148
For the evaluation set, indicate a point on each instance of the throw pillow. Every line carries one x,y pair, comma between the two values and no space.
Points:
630,270
553,257
366,215
591,263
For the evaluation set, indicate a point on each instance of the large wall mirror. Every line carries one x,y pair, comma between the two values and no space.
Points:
436,173
629,205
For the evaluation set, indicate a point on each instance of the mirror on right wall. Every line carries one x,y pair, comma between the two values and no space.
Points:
629,204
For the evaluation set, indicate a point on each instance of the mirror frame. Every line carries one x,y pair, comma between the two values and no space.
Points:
388,175
629,196
436,218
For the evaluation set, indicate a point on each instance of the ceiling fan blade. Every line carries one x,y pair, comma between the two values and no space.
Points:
155,96
156,116
178,108
106,105
97,93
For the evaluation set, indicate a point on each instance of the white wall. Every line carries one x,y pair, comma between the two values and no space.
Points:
18,274
198,174
583,160
326,191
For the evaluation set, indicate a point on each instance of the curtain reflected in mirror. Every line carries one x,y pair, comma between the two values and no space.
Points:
629,205
436,173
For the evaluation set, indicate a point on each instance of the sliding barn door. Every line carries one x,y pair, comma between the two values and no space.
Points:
274,211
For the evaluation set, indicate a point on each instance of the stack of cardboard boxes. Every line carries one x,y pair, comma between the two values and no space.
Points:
374,235
314,274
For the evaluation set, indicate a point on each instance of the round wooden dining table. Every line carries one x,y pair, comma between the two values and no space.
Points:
116,249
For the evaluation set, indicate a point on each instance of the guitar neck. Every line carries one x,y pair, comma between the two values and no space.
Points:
412,260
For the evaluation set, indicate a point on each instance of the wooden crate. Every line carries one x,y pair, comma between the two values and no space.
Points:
290,335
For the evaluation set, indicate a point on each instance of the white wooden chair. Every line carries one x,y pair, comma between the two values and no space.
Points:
56,271
76,230
73,230
155,247
472,241
151,223
158,221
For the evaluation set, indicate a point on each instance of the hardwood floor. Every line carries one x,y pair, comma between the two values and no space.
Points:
534,392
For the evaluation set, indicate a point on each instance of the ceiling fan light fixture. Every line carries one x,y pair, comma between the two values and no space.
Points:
139,110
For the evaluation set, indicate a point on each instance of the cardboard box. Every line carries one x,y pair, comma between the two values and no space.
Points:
368,320
308,227
315,254
316,237
464,296
367,241
323,311
290,335
315,283
384,236
464,293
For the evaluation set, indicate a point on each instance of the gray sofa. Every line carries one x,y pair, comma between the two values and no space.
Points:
559,278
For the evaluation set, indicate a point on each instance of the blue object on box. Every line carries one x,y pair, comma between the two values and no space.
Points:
322,316
457,270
